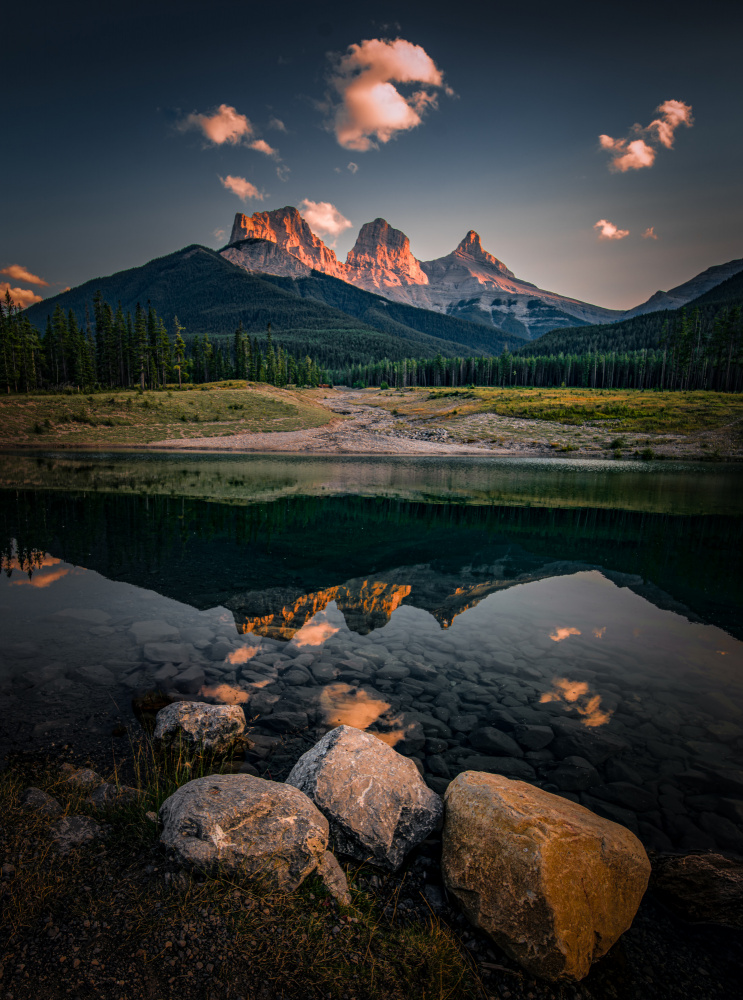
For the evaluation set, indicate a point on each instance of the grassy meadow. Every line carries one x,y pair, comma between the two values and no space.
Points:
128,418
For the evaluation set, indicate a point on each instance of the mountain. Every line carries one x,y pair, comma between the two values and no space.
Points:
643,330
209,294
469,283
689,290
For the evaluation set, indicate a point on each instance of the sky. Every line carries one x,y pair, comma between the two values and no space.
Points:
596,149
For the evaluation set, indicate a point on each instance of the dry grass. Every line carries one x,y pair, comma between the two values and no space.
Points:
127,418
118,911
615,410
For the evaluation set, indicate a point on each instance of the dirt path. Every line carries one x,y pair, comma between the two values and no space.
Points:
357,430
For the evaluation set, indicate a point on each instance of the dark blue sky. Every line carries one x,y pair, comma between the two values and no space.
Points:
100,173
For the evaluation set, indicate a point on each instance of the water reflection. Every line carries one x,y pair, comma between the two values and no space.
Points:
577,694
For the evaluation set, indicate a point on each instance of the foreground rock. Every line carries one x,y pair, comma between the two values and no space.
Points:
704,888
213,728
39,801
552,884
376,802
74,831
261,828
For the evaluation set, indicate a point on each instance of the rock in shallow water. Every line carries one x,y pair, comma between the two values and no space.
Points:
263,828
214,728
376,802
552,884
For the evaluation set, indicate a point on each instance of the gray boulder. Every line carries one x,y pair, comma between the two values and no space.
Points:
107,795
376,802
261,828
214,728
493,741
37,800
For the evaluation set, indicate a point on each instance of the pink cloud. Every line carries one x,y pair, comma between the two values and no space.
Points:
628,155
371,107
262,147
242,188
22,297
21,273
324,218
225,125
608,231
636,151
672,114
650,233
220,235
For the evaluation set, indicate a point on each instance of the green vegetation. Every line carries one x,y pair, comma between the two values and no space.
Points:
693,356
126,418
104,912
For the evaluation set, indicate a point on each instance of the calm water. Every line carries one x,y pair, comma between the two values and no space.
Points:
572,624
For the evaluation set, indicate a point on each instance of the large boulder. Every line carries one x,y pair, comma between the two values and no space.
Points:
376,802
261,828
214,728
552,884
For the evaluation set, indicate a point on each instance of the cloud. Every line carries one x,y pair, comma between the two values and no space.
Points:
353,167
242,188
640,147
563,633
20,273
672,114
277,125
577,694
262,147
225,125
282,172
324,218
219,235
608,231
650,233
628,155
22,297
370,105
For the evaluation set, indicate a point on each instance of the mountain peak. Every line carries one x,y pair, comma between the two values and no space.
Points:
471,246
286,227
381,258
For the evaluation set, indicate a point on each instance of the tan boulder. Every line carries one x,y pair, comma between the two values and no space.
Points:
553,884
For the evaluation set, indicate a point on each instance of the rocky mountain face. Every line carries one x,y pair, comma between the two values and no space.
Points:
468,283
287,229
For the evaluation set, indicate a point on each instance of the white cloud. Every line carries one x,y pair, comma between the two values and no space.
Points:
370,105
324,218
635,151
608,231
22,297
650,233
282,172
242,188
225,125
21,273
353,167
276,124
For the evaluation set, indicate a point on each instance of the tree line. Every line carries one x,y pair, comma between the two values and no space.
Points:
691,356
112,349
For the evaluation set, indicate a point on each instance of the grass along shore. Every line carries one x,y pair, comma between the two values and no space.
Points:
128,418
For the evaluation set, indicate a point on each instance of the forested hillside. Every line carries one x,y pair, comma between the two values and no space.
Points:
212,296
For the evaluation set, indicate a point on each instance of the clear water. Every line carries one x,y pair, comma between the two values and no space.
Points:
582,610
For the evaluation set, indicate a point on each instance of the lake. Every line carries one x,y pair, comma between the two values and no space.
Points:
572,624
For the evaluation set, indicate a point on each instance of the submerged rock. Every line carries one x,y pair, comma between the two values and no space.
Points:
214,728
261,828
376,802
552,884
